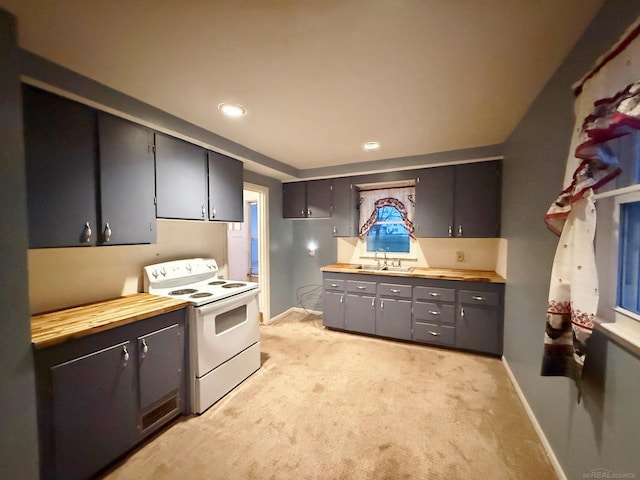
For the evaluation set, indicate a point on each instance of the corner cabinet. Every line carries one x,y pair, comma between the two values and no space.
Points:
226,177
459,201
344,211
181,179
450,313
100,395
311,199
75,156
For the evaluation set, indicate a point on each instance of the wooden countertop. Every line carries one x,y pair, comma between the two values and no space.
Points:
423,272
56,327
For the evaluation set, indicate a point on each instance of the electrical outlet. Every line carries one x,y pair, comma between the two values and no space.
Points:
460,256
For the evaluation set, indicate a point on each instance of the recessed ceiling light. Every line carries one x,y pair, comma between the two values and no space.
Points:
232,109
369,146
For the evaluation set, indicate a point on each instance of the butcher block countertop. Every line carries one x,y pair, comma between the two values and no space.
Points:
422,272
52,328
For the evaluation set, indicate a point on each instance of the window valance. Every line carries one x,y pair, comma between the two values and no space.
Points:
372,200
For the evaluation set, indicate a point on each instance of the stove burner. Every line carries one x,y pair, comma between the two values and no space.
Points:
201,295
183,291
233,285
219,282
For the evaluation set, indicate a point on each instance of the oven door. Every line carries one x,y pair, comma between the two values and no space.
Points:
220,330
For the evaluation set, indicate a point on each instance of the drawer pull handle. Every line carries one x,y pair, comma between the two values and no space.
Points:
360,287
395,290
435,334
433,312
434,294
334,285
478,298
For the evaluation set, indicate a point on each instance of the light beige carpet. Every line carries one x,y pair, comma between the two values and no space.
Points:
330,405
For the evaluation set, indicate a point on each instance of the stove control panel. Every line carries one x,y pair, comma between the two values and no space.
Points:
180,270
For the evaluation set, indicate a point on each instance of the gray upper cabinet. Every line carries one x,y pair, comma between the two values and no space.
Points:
459,201
344,214
311,199
318,198
225,188
60,151
127,187
477,199
434,202
181,179
294,200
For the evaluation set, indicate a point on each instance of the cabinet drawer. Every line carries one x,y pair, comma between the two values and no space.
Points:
394,290
489,299
434,294
431,333
433,312
333,284
361,287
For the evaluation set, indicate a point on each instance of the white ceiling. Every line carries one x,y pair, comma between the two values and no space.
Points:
319,77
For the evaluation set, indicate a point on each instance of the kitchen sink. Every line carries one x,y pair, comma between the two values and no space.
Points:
372,267
399,269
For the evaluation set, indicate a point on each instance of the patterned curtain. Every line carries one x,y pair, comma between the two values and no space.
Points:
372,200
607,107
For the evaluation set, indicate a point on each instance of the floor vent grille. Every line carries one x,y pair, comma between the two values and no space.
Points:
152,417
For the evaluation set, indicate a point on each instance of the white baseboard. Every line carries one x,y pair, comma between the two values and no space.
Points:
543,438
291,310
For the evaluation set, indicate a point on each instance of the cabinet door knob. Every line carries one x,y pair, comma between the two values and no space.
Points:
203,211
341,298
381,304
125,354
335,231
459,230
433,312
145,347
308,213
461,312
435,334
450,230
434,294
334,285
86,238
107,232
373,302
302,212
213,211
478,298
360,287
394,290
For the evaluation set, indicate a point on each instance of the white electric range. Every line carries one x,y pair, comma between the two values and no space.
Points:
224,334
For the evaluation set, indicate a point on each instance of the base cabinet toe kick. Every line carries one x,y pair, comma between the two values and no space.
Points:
465,315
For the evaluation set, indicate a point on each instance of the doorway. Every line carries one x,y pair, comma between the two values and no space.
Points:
248,244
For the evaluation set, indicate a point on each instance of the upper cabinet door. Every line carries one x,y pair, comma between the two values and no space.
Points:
127,182
477,200
434,202
319,198
60,151
294,200
344,215
225,188
181,179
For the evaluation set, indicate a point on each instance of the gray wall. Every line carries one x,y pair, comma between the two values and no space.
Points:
18,432
603,430
280,241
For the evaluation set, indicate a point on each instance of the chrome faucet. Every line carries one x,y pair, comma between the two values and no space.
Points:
378,261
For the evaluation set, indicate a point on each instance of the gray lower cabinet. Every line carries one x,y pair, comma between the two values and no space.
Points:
434,314
393,315
93,398
100,395
181,179
360,313
479,324
456,314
